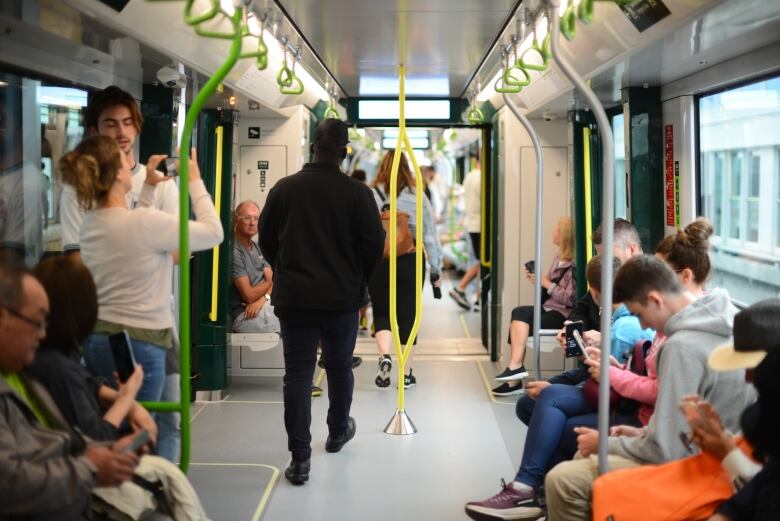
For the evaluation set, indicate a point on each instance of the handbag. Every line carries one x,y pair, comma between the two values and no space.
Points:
689,489
545,294
617,403
403,238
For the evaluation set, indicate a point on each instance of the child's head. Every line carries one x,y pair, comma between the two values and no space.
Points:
593,275
645,284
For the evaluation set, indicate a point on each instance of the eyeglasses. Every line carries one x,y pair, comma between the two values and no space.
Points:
248,218
39,325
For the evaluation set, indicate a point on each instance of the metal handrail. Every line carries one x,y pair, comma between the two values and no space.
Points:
404,143
538,229
607,223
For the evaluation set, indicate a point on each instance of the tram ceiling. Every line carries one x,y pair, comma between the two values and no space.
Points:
358,40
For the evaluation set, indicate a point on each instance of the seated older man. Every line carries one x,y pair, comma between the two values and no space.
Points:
48,470
251,310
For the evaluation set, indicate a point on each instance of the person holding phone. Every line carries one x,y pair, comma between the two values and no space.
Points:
558,292
95,408
129,254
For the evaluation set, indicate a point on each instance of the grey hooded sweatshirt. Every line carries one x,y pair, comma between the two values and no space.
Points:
692,334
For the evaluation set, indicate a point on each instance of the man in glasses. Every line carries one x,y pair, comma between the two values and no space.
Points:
250,295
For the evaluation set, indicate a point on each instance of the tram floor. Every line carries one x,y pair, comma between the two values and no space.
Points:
466,441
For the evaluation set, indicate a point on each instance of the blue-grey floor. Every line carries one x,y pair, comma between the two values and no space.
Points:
465,444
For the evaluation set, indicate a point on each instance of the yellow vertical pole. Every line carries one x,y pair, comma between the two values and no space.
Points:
588,191
217,205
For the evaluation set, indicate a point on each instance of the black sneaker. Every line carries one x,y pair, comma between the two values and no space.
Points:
460,298
508,375
409,380
297,472
507,390
385,365
335,443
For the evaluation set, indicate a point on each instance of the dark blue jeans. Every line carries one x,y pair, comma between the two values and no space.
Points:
525,405
551,438
337,335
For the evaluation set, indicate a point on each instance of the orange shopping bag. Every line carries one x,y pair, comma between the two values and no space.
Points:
689,489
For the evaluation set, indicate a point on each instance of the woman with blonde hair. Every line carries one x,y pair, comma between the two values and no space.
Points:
405,284
558,294
129,254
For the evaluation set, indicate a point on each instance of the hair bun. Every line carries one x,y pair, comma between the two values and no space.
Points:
699,232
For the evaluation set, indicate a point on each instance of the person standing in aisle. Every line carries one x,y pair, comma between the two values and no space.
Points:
321,233
472,186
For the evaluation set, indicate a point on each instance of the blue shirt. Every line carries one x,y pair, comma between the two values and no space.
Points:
625,333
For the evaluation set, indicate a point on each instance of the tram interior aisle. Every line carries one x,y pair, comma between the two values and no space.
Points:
466,439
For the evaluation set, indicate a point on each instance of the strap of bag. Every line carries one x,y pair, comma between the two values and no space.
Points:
380,194
156,489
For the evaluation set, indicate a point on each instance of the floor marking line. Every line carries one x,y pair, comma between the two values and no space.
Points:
192,419
487,386
465,326
319,378
266,495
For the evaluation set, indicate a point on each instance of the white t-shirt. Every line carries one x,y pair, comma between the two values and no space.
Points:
166,198
129,255
472,186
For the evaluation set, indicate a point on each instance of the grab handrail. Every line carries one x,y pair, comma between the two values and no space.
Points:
538,229
607,224
403,354
238,23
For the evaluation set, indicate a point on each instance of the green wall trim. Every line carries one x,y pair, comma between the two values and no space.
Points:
646,160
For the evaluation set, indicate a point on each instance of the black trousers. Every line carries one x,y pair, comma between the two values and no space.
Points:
337,335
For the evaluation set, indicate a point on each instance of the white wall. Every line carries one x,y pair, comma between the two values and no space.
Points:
517,204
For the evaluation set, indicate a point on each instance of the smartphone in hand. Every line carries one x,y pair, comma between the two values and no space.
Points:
141,439
168,166
530,266
572,349
122,351
580,344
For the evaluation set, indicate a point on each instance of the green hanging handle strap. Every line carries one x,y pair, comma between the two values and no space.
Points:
508,83
261,54
331,113
539,50
288,81
569,21
475,115
585,11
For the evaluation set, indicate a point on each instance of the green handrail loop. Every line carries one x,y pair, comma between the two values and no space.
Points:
475,116
585,11
288,81
262,49
569,21
511,80
189,19
538,49
507,83
331,113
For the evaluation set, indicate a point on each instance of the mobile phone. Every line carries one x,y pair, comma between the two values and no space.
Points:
572,349
141,439
530,266
121,349
580,344
168,166
436,290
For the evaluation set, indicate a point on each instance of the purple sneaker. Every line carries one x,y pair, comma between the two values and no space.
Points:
507,504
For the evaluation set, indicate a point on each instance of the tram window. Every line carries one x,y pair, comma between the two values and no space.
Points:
39,123
621,178
739,171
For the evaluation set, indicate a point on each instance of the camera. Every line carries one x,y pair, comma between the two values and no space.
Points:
172,78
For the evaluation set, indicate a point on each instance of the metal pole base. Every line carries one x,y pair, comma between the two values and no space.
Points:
400,424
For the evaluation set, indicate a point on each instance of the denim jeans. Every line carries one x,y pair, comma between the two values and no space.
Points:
337,335
100,362
169,423
551,438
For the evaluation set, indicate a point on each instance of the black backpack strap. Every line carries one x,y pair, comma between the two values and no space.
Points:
163,505
380,194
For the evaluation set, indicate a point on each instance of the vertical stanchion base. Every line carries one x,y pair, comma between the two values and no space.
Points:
400,424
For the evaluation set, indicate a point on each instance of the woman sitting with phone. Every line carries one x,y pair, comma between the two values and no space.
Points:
558,294
129,254
96,409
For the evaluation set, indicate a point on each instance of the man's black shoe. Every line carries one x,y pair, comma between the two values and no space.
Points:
335,443
297,472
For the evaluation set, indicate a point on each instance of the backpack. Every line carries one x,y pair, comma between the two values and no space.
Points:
403,238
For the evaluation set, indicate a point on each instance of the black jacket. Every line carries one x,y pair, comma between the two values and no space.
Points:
587,311
321,232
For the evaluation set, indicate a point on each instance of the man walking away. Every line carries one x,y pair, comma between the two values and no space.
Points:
321,232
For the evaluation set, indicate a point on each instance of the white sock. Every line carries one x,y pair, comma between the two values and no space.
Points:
521,487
